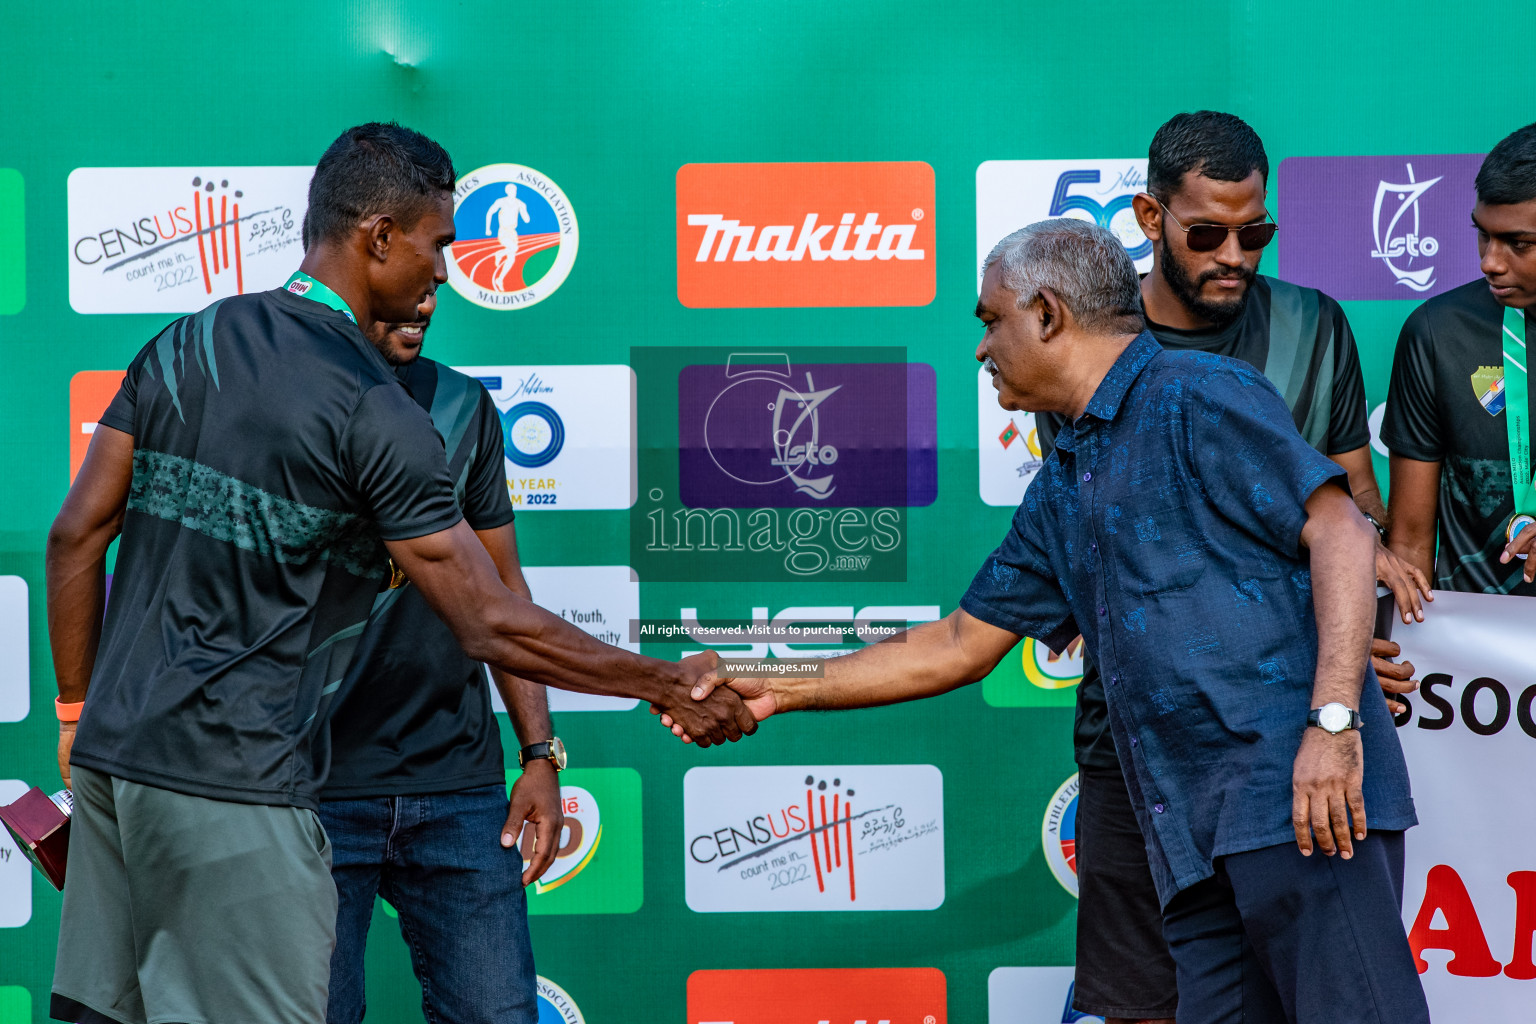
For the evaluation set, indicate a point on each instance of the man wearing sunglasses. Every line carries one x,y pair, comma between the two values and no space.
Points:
1205,214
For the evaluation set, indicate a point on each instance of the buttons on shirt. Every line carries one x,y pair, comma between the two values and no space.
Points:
1113,680
1158,808
1103,610
1087,477
1134,741
1093,546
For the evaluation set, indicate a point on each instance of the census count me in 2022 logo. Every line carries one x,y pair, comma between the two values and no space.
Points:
805,234
174,239
568,431
1378,227
515,237
902,995
814,837
1011,194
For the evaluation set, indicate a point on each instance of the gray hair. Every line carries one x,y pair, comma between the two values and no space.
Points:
1085,265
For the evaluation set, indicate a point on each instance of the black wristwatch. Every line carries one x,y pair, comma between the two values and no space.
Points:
554,750
1382,530
1334,718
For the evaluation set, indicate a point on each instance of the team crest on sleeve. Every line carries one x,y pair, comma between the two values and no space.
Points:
515,237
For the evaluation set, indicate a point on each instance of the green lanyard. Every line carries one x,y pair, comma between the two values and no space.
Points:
1517,419
302,284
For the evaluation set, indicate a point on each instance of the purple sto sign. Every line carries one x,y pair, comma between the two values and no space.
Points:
761,432
1378,227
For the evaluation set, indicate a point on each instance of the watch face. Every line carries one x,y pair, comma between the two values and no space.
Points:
1333,717
557,753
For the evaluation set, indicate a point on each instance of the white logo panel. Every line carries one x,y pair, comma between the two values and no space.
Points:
569,433
1007,447
600,599
15,869
15,651
838,837
1033,995
174,239
1011,194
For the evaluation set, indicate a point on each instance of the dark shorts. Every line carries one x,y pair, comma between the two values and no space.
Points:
1124,968
183,909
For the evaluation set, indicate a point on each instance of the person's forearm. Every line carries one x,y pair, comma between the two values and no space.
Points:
1344,599
527,706
925,661
1368,500
76,584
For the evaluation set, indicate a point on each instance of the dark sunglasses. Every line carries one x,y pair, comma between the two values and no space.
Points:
1210,237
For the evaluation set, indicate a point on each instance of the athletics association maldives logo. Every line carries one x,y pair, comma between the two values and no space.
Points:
1378,227
556,1005
516,237
1058,834
839,837
173,239
1011,194
761,431
812,234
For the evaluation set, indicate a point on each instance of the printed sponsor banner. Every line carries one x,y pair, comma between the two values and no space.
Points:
1378,227
174,239
1058,834
868,625
569,433
1470,740
1033,676
1033,995
15,1005
599,866
90,392
903,995
15,869
813,234
15,659
13,244
1011,194
763,431
838,837
600,599
515,237
556,1005
1007,446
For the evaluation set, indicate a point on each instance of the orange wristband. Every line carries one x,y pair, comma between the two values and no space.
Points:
67,712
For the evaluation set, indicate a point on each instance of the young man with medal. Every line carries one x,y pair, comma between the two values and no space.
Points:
1458,419
272,481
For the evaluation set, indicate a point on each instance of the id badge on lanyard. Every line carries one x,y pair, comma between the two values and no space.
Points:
1517,420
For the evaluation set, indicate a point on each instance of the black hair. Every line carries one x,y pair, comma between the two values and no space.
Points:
371,169
1508,174
1218,146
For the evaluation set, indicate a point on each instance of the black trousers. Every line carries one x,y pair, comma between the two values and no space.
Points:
1278,937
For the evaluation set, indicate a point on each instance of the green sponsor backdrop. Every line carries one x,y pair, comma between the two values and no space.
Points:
609,98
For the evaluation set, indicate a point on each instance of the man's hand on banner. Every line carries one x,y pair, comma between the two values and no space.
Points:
1524,543
1410,587
1326,792
1394,677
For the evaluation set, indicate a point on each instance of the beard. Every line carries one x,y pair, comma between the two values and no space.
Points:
1187,288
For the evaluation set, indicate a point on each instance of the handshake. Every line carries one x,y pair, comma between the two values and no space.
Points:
705,708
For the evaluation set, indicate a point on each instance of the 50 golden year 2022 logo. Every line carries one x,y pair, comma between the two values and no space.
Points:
516,237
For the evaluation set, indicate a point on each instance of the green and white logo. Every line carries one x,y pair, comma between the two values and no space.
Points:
599,867
13,242
15,1005
1034,676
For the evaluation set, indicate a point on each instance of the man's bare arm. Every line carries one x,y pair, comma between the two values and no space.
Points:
1328,774
527,702
460,582
75,567
1415,505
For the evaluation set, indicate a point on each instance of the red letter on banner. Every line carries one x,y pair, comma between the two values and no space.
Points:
1520,966
1463,933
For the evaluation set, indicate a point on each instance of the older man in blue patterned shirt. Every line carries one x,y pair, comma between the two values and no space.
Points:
1215,566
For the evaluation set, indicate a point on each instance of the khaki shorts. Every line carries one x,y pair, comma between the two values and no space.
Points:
183,909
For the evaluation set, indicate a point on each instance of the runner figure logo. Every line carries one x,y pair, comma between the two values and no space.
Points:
516,237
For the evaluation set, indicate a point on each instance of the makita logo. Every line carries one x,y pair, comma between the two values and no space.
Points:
836,234
779,241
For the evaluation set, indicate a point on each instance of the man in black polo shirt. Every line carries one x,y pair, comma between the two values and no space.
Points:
1458,419
1205,214
269,475
416,803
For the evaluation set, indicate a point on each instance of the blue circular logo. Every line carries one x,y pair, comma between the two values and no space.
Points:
534,434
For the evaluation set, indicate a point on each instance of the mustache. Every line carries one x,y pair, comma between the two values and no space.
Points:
988,365
1228,274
